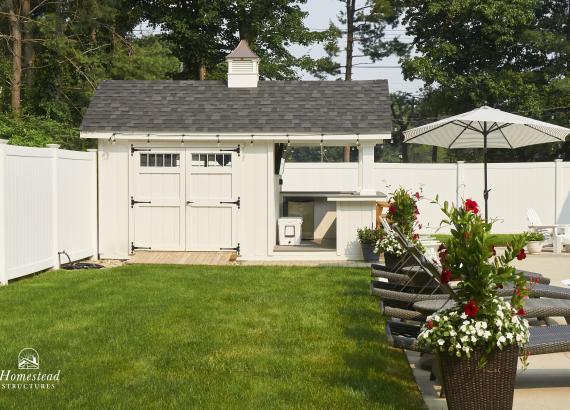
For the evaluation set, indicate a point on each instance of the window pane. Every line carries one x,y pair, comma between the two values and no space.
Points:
144,160
159,160
212,160
167,160
176,160
228,160
151,160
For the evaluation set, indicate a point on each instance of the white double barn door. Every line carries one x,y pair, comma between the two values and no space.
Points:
183,199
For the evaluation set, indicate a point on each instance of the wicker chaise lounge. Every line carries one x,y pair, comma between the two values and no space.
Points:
543,339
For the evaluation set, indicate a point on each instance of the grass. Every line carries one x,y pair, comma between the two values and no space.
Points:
499,239
159,337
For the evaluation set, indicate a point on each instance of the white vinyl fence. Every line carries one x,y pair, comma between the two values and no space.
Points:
544,186
48,205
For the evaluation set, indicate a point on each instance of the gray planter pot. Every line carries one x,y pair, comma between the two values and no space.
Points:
368,253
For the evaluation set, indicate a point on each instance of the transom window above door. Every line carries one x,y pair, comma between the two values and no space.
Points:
160,160
212,160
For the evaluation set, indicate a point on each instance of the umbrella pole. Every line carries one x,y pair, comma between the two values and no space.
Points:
486,191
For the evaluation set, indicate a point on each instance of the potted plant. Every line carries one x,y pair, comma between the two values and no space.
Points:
403,211
535,242
478,340
368,238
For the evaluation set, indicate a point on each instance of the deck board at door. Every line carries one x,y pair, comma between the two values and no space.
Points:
182,258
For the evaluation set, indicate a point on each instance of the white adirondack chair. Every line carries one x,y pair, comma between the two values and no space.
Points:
558,234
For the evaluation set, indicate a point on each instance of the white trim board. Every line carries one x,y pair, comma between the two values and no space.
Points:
226,137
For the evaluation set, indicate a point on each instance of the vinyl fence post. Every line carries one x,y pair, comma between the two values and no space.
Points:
460,182
54,205
95,202
558,189
3,264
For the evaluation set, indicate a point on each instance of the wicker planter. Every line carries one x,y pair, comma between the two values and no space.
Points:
368,253
391,260
467,387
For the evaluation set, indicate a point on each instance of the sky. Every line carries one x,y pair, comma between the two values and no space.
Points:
321,12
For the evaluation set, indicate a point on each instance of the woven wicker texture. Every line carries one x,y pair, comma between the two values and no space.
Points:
469,387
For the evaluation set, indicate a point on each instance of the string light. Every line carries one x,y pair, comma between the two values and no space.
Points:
182,140
148,138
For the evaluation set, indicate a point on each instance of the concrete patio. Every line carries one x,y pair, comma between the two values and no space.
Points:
546,382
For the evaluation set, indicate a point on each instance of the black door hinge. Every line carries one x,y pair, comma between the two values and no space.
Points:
236,249
133,149
236,150
238,202
134,248
133,202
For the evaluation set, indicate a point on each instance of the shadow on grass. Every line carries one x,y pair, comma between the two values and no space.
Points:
375,370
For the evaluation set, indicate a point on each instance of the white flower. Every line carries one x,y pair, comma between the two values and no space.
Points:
440,342
500,313
510,336
452,333
463,316
464,338
499,323
502,339
473,339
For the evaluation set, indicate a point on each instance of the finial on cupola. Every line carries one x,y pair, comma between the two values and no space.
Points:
243,67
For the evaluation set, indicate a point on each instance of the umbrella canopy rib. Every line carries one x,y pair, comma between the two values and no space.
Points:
428,131
459,135
505,137
544,132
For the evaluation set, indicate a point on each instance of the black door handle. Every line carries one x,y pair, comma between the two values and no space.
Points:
238,202
133,202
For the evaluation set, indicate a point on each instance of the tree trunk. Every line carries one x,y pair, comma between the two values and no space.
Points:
434,154
350,6
16,80
28,45
202,72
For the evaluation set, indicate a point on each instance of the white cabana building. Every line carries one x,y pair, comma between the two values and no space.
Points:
196,165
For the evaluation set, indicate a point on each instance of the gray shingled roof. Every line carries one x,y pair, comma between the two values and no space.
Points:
210,106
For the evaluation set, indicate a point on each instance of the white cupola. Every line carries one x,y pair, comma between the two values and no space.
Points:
243,67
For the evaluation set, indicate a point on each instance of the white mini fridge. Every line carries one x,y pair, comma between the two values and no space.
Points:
290,230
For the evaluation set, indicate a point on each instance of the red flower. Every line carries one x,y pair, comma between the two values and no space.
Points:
445,276
521,255
441,248
471,206
392,209
415,237
416,210
517,291
430,324
417,195
471,308
493,250
521,312
420,226
499,286
466,235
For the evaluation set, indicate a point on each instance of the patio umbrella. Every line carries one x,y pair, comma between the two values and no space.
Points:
486,127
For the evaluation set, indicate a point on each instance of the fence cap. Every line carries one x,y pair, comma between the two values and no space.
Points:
52,145
3,141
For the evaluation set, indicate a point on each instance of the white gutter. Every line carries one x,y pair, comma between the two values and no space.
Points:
222,137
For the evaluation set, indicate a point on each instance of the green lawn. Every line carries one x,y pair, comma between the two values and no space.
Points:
499,239
159,337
